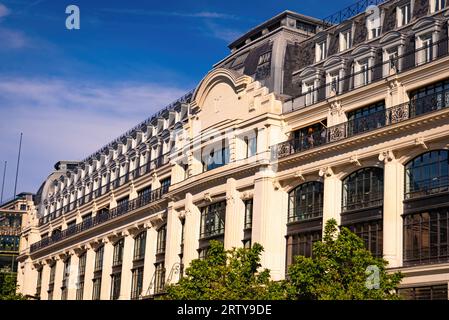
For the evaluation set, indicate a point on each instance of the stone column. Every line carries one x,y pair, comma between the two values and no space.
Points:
191,231
108,254
393,208
128,255
45,280
89,273
235,217
150,252
73,278
58,278
270,221
26,278
332,196
173,246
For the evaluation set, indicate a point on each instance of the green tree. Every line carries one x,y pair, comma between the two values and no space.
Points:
339,270
8,286
227,275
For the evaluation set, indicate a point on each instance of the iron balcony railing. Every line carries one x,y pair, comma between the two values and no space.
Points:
101,218
138,172
304,214
400,113
350,11
368,75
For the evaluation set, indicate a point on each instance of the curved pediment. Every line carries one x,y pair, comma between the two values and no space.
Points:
364,48
333,61
391,36
220,75
307,72
425,22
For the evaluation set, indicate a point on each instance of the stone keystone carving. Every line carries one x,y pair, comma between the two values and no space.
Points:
299,175
336,108
387,156
207,197
355,160
326,172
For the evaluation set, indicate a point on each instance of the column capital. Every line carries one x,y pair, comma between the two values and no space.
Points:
387,156
326,172
246,195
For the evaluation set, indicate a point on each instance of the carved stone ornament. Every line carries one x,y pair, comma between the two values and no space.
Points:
336,108
386,156
207,197
326,172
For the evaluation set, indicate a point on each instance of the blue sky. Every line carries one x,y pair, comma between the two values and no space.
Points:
70,92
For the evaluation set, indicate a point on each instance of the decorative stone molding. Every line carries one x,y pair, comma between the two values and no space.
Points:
277,185
207,197
326,172
420,142
182,215
299,175
355,160
247,195
387,156
336,108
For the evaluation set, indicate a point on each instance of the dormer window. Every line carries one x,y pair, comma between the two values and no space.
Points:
404,14
321,51
373,26
345,40
426,48
437,5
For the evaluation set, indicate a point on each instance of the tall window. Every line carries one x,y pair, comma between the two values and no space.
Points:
122,204
99,259
426,49
371,233
429,98
137,283
363,189
96,288
65,279
116,279
39,283
306,202
251,144
435,292
139,246
159,279
309,92
366,119
426,237
310,136
81,273
427,174
248,214
364,73
51,282
118,253
437,5
345,40
161,240
216,158
213,220
301,244
403,14
320,51
165,183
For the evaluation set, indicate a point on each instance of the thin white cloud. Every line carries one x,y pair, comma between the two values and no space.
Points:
65,120
222,33
13,39
4,11
202,14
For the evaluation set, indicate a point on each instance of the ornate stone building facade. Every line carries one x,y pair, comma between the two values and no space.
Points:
304,121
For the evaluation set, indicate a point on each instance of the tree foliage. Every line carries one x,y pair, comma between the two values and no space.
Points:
341,269
8,286
227,275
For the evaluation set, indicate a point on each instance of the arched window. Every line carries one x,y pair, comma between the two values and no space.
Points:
427,174
363,189
306,201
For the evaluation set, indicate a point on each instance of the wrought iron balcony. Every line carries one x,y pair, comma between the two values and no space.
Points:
101,218
304,215
427,187
371,74
400,113
362,201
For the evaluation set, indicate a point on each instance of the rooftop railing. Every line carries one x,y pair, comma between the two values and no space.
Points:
101,218
138,172
400,113
350,11
368,75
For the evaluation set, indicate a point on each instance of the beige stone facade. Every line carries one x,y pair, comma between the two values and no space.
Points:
267,148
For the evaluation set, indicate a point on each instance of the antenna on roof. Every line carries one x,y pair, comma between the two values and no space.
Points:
18,162
3,183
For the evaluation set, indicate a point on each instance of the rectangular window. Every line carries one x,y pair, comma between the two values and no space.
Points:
437,5
426,49
165,184
364,73
65,279
217,157
345,40
320,51
39,283
372,235
436,292
367,118
403,15
248,214
251,144
122,205
137,283
426,237
96,288
309,92
118,253
51,282
213,220
161,240
301,244
159,280
139,246
81,273
116,279
429,98
99,259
